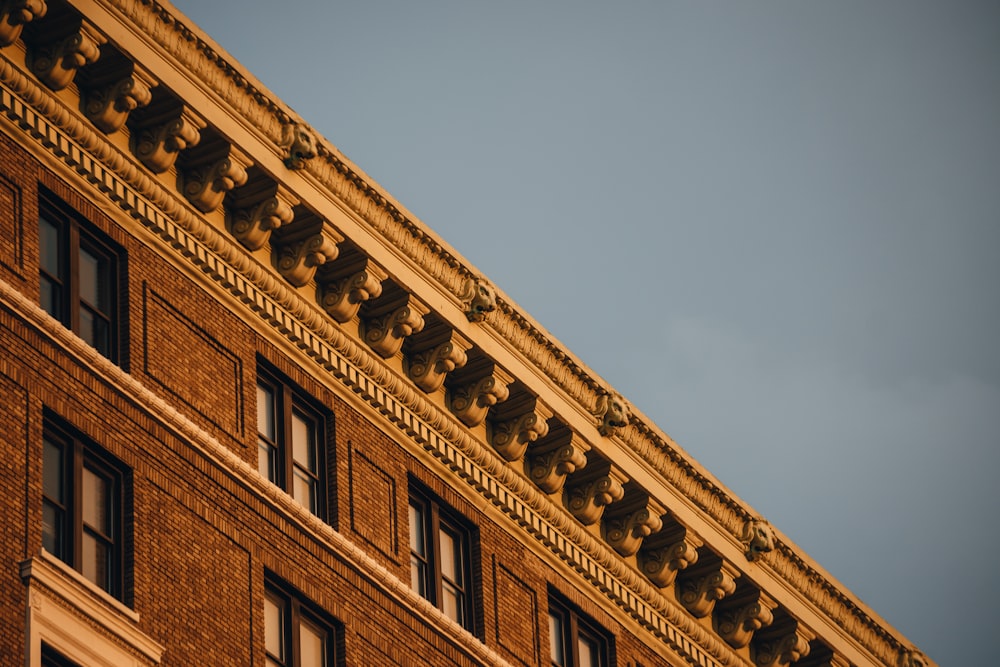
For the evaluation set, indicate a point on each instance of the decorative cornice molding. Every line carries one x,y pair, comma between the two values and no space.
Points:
343,182
15,14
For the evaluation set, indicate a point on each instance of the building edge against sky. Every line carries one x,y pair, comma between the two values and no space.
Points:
174,237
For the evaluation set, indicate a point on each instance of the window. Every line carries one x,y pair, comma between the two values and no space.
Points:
291,441
52,658
574,639
295,634
83,491
78,273
441,557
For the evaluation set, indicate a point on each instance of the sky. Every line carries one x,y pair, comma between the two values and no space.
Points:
774,227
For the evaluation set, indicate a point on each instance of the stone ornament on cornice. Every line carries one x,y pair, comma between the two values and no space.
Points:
108,106
549,464
470,402
479,298
699,589
428,368
206,185
661,564
758,538
15,14
912,658
158,142
299,144
742,616
56,62
625,530
587,498
783,643
511,437
612,413
252,224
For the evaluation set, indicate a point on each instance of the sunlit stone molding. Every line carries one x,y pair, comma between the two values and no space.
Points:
299,144
107,106
612,413
667,553
304,245
15,14
553,457
159,137
628,523
56,61
738,617
256,213
348,283
207,182
912,658
482,386
700,587
433,353
479,298
594,488
785,641
758,538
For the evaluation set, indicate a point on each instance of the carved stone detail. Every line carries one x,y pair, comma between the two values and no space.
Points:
384,333
511,437
554,456
781,644
698,590
587,498
108,106
428,368
758,538
252,224
14,14
479,298
741,617
470,402
56,63
912,658
612,412
157,144
662,562
628,523
206,185
299,144
298,259
343,297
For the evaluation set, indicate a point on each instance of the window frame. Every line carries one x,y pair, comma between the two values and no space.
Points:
76,234
77,455
576,625
435,518
290,401
294,611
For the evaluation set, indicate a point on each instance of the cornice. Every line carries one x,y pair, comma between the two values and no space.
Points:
204,245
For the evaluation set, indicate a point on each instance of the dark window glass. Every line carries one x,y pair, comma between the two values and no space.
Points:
83,507
78,269
441,567
574,639
295,633
291,438
53,658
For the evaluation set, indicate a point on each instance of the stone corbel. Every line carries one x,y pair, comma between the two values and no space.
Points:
55,63
348,283
387,321
108,106
304,245
676,550
298,143
471,401
593,490
628,523
159,141
511,437
254,218
742,616
555,456
785,642
479,298
700,588
206,184
912,658
758,538
429,364
15,14
612,413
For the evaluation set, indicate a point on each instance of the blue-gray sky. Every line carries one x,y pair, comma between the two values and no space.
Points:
773,226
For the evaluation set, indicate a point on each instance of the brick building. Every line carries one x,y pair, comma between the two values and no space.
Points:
255,413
